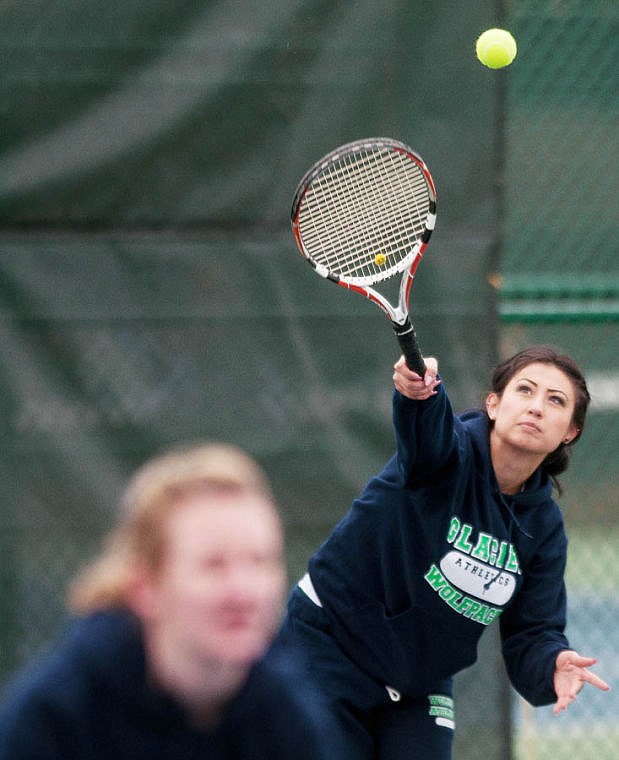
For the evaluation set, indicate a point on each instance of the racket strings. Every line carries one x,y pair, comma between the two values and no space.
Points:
363,214
360,212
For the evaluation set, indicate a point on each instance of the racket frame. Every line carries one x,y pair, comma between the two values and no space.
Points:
407,266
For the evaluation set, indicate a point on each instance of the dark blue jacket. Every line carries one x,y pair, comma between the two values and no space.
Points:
89,700
431,553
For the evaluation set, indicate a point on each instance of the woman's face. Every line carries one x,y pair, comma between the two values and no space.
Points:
218,595
534,412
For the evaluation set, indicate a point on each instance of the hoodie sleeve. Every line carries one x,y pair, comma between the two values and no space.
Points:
532,628
425,435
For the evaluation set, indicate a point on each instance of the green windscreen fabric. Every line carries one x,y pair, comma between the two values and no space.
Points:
184,114
150,289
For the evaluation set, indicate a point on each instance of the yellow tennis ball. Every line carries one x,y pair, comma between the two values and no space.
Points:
496,48
380,259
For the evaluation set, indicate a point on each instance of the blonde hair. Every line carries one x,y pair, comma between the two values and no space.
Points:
151,495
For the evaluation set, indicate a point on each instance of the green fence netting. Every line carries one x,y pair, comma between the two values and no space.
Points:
559,283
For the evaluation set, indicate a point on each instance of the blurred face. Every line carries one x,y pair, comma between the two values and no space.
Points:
534,412
217,596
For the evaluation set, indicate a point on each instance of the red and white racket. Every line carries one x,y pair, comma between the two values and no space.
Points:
363,214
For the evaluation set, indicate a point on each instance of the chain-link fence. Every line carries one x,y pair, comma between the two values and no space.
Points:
559,284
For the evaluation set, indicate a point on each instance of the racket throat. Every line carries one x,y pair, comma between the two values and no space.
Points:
402,327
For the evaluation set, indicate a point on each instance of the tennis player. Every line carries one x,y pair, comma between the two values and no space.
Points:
460,529
167,658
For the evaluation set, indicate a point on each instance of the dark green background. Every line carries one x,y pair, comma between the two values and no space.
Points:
150,289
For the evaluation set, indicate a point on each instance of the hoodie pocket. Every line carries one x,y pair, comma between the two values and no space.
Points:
412,651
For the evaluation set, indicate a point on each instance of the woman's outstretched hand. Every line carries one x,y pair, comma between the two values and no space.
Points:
570,676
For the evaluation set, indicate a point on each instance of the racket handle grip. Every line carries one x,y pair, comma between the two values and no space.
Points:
405,333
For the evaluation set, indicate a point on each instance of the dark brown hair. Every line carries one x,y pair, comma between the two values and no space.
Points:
558,460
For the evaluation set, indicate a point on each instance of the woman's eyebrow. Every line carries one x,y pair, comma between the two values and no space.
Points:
550,390
558,390
528,380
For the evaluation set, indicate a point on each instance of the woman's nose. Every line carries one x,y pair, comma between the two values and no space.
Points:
535,407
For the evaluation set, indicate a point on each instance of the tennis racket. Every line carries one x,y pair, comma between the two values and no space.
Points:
363,214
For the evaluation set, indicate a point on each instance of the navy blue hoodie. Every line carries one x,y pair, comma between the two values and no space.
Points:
90,700
431,553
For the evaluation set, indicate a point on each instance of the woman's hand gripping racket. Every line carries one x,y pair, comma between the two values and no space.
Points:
361,215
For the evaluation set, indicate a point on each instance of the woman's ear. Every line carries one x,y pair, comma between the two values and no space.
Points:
571,434
141,594
492,402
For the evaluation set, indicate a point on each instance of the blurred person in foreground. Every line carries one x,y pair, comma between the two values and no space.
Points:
169,653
